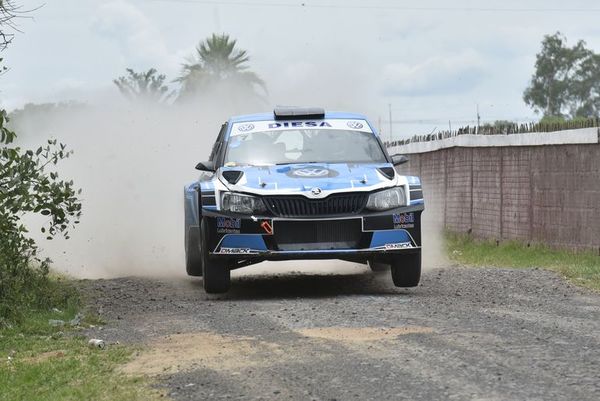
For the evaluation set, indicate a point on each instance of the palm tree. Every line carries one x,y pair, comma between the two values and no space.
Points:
218,67
145,86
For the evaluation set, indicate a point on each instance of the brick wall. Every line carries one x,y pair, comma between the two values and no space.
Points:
548,194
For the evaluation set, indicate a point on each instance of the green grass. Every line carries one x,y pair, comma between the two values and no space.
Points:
45,363
582,268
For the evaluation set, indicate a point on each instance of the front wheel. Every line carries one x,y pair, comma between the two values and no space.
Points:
406,270
216,273
193,257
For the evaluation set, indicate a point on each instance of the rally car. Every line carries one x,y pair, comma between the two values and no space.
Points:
301,183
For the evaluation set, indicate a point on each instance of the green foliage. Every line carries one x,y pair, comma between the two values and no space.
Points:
146,86
583,267
219,68
28,186
42,362
566,81
552,120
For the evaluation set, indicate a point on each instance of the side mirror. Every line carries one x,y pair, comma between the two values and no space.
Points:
206,166
399,159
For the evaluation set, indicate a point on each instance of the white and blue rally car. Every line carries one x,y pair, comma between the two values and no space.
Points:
300,183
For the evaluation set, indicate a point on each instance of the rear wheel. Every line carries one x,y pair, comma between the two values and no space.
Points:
193,259
406,270
217,276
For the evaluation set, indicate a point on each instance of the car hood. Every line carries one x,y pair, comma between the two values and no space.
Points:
299,178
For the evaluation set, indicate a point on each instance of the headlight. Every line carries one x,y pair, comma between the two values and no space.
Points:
239,203
388,199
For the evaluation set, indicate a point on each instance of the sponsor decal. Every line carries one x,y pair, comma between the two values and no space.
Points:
400,245
227,225
312,172
404,220
354,124
237,251
299,124
266,225
246,127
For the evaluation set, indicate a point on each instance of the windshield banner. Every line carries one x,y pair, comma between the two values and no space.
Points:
334,123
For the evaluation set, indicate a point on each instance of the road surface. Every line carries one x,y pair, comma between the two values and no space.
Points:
464,334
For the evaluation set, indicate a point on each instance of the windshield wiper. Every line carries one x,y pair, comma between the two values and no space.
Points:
283,164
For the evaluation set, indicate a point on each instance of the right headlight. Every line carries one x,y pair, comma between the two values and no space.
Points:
240,203
387,199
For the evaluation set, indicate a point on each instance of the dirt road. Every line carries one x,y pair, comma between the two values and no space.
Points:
485,334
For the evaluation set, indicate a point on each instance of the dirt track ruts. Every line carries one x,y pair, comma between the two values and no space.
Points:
485,334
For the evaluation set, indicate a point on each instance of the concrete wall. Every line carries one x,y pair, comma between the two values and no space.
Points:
538,193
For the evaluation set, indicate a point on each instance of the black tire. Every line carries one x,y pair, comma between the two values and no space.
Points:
217,276
193,259
406,270
378,266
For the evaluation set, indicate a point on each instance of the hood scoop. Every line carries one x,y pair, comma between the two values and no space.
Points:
388,172
232,176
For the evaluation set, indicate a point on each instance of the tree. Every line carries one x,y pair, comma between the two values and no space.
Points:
587,88
30,116
565,82
219,67
8,12
146,86
28,186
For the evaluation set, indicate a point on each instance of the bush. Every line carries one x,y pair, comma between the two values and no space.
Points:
28,187
551,120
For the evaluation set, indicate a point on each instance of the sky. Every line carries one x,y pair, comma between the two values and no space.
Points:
431,63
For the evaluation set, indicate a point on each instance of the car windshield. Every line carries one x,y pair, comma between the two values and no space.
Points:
304,146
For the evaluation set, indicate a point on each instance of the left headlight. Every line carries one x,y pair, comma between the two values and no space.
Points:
239,203
388,199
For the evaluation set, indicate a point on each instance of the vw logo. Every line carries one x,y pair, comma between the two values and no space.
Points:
311,172
246,127
354,124
316,191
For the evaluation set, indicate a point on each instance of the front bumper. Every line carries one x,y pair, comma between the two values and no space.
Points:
376,236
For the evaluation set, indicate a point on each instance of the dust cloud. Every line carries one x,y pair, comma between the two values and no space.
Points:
434,248
132,163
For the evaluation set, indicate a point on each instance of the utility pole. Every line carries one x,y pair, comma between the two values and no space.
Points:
390,113
478,118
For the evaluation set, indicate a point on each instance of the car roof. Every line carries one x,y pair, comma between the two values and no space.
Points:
269,116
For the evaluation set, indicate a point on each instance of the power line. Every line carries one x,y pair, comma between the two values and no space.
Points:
381,7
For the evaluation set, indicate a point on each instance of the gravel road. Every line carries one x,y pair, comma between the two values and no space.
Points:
464,333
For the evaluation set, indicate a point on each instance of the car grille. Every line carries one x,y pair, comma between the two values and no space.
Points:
300,206
317,235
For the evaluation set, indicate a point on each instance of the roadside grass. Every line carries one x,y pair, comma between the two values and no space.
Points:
580,267
46,363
